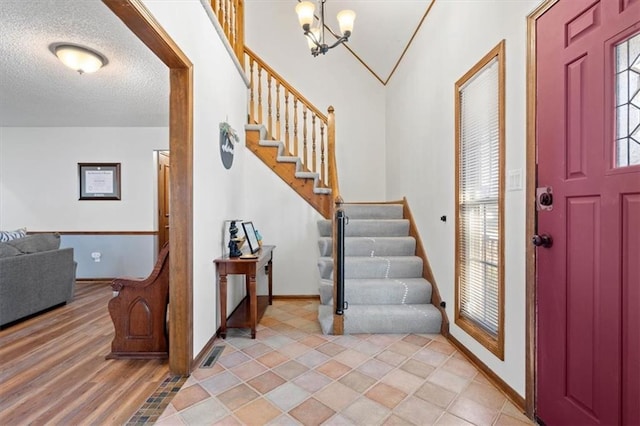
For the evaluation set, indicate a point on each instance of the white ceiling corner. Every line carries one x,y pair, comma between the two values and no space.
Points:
382,29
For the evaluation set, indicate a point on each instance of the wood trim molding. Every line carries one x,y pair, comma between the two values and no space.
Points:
427,272
514,396
296,297
531,215
95,232
140,21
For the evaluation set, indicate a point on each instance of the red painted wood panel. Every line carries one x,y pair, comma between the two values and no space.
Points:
631,308
576,151
583,242
588,323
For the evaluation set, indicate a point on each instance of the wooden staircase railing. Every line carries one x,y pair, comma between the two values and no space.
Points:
296,126
289,117
230,15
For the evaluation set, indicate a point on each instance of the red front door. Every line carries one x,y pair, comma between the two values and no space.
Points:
588,284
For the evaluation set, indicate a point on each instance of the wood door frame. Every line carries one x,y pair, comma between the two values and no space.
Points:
531,214
140,21
161,196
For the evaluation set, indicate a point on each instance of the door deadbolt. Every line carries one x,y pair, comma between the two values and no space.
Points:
544,198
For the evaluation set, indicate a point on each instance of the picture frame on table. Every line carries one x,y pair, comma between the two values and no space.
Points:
99,181
252,239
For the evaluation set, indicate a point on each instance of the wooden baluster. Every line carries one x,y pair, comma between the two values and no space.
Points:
295,127
278,110
259,94
304,134
219,11
240,31
313,143
322,167
269,116
232,25
252,105
226,18
286,120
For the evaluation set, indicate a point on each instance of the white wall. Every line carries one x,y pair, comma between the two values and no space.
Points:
39,171
421,149
219,95
337,79
287,221
39,190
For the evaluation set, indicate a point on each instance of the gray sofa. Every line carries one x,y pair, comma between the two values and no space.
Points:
35,274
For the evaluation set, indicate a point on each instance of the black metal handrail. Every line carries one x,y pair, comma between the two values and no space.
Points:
341,220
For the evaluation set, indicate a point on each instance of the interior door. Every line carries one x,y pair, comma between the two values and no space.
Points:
163,198
588,227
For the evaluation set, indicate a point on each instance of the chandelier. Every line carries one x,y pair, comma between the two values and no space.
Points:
315,35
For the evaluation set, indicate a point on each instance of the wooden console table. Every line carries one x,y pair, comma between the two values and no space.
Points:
252,307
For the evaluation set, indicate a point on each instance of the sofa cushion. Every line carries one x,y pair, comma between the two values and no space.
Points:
36,243
12,235
7,250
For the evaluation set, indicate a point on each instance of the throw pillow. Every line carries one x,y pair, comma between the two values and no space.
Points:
12,235
7,250
36,243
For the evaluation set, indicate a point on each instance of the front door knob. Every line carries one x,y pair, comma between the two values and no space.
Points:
543,240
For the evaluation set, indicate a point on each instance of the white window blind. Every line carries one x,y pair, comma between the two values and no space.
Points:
479,198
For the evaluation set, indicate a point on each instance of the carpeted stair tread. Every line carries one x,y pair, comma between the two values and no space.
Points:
374,267
379,291
370,246
283,157
373,211
399,319
369,228
385,290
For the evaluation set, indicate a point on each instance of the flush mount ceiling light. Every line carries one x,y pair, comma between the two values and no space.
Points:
315,35
79,58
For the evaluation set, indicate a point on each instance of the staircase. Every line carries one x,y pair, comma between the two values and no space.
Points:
385,290
290,168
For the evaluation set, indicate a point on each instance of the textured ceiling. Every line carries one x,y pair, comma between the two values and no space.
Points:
133,88
38,90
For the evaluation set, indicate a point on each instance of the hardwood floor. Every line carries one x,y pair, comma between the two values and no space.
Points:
53,368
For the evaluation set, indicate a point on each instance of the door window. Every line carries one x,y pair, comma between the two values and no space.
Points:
628,102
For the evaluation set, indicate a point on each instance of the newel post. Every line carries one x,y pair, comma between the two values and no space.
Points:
331,148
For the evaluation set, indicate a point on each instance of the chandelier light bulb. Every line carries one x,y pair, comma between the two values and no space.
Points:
305,11
345,20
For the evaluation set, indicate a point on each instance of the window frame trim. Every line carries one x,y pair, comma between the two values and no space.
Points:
494,344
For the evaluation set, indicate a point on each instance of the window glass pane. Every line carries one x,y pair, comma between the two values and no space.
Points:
478,198
628,102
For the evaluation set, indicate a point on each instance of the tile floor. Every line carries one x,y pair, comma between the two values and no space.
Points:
291,374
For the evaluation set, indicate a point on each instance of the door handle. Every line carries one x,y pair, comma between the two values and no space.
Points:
543,240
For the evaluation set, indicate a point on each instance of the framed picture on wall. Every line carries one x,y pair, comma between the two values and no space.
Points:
99,181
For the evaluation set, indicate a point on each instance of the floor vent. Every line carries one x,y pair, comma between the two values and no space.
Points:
212,357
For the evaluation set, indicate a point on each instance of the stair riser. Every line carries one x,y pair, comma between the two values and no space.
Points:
394,319
383,246
375,267
374,211
387,294
369,228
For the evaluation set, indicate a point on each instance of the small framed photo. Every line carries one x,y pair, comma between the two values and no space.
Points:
250,233
99,181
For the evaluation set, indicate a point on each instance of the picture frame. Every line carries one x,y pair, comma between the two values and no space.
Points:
250,233
99,181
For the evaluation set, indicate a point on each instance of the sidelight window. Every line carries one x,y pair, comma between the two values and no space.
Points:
479,201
